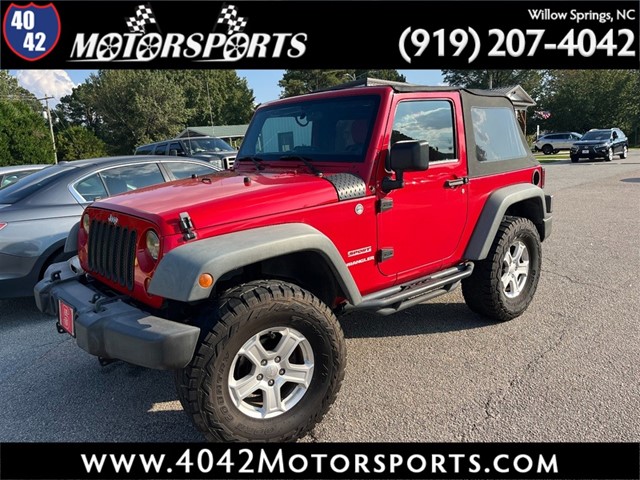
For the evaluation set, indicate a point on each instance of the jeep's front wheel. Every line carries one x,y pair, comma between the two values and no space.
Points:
502,286
269,367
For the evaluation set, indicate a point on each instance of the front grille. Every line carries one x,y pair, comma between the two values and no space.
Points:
112,252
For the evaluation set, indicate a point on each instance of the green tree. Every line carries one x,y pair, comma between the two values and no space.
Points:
299,82
583,99
77,142
24,135
135,107
126,108
217,97
10,90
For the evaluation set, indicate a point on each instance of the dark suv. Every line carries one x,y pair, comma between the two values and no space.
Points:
210,149
603,143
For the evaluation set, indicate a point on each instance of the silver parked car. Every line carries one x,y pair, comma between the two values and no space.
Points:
37,213
554,142
10,175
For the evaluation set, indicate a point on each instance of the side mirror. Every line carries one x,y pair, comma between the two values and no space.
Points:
406,156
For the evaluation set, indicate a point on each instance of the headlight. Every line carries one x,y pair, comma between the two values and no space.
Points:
86,222
153,244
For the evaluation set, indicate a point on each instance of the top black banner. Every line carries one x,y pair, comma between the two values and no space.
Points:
346,34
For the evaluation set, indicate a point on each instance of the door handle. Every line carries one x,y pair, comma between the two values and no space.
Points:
457,182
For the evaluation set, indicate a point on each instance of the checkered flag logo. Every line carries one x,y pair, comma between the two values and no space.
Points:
144,16
229,16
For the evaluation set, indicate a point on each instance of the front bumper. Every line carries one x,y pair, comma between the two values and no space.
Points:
591,154
112,329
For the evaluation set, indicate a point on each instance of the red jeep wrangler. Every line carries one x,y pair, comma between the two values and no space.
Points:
370,197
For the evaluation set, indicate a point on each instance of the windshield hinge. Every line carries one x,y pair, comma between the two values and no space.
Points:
186,226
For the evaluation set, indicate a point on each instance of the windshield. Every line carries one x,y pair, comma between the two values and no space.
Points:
34,182
328,130
597,135
201,145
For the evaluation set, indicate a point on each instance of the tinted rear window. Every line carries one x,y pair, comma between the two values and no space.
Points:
34,182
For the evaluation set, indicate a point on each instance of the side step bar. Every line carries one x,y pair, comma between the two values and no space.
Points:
394,299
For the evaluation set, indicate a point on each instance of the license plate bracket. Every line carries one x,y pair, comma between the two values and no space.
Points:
66,316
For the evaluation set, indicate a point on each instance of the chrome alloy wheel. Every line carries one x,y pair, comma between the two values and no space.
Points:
515,269
271,372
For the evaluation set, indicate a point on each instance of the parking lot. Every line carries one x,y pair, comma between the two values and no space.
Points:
567,370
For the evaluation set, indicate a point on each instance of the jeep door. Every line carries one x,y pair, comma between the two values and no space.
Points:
420,224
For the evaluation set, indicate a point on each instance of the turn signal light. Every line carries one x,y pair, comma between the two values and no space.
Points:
2,225
205,280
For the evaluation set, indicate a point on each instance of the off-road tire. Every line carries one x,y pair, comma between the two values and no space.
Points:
483,290
241,313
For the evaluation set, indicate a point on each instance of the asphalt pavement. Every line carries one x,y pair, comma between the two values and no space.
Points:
567,370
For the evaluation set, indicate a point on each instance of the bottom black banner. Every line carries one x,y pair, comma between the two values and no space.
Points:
328,460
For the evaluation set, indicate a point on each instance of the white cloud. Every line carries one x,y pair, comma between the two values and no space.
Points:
56,83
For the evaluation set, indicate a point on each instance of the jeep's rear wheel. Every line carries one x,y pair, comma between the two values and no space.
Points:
269,367
502,286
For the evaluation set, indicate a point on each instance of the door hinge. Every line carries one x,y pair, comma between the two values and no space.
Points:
385,204
385,254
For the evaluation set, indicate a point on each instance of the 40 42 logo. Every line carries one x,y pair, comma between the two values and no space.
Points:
31,31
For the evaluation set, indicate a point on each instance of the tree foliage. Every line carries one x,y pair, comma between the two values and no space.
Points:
217,97
24,135
579,100
299,82
127,108
77,142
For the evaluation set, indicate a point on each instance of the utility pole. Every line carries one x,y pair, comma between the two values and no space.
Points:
46,99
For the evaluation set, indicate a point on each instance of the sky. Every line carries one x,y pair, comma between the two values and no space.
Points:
264,83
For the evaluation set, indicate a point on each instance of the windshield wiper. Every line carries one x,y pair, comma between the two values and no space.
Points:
306,161
256,161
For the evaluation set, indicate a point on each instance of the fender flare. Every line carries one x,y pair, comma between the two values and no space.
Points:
71,244
493,212
176,276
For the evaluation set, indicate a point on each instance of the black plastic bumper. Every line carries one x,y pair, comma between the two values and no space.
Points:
112,329
547,221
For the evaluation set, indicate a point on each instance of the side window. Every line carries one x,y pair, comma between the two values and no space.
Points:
497,134
91,188
131,177
429,120
146,150
177,147
160,149
186,169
